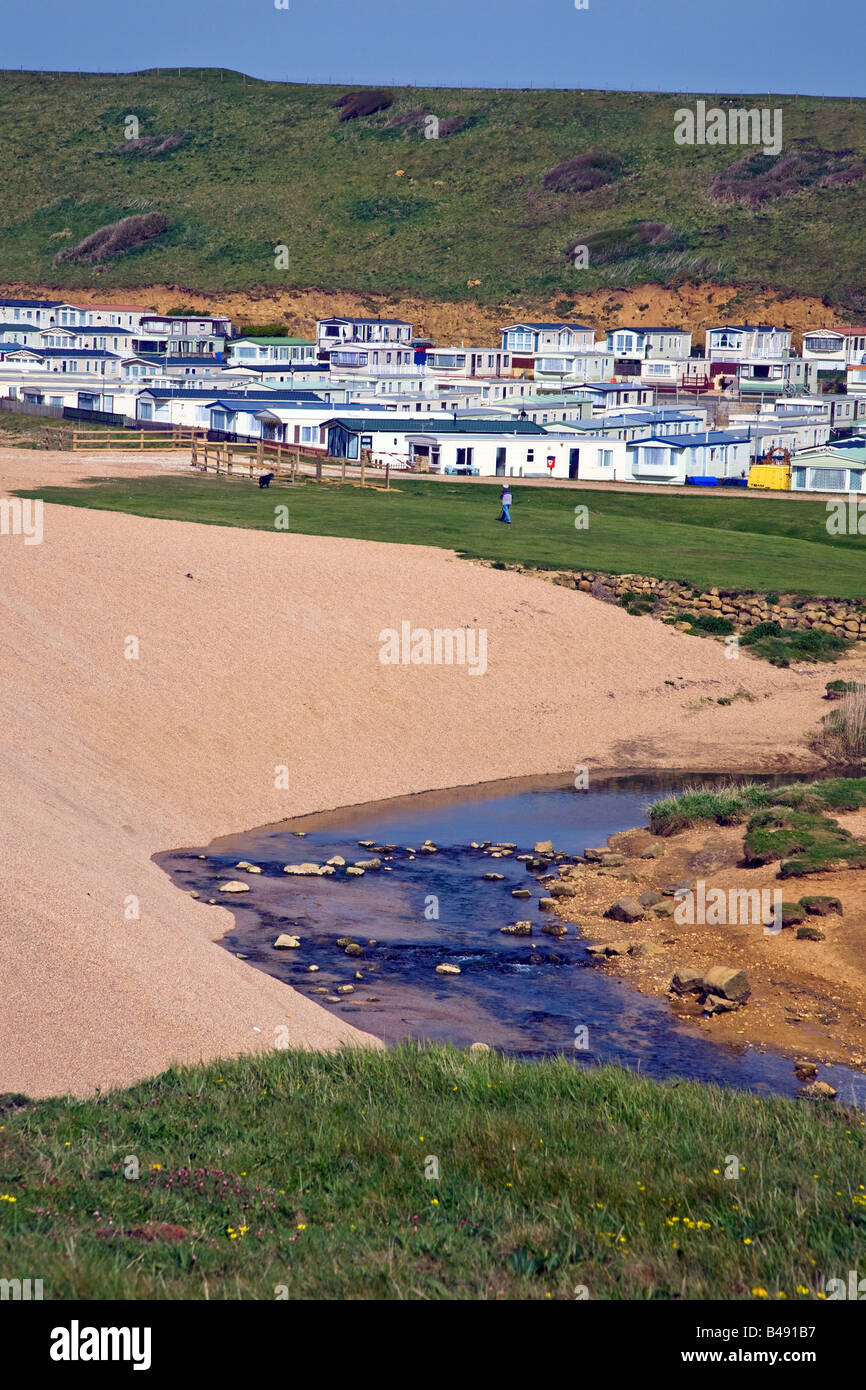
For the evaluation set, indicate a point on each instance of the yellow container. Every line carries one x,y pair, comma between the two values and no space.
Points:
776,476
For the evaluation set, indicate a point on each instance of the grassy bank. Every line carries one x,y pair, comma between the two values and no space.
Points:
739,543
735,804
308,1171
233,167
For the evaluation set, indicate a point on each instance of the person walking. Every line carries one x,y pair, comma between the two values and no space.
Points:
505,499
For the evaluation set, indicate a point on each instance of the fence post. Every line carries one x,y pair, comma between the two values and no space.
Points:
362,467
279,457
343,471
387,475
318,468
259,457
141,439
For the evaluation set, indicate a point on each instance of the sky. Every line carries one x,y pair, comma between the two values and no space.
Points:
738,46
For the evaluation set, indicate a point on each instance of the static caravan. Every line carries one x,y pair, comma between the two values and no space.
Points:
841,468
674,458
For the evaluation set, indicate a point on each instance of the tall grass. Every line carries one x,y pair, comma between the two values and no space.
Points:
844,728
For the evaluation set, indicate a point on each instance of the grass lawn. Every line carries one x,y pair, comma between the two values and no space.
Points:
738,543
307,1170
22,431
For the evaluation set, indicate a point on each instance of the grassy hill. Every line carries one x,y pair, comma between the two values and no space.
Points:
226,169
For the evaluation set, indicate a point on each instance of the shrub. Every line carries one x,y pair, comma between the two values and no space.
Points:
153,145
712,624
116,239
625,243
363,103
583,173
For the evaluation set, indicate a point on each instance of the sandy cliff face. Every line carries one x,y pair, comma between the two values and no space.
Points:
695,307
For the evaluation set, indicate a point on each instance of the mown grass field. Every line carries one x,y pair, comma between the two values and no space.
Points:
743,543
265,164
302,1175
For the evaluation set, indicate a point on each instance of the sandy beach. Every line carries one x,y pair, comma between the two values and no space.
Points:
259,652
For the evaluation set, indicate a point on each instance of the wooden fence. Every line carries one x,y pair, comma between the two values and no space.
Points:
177,437
288,462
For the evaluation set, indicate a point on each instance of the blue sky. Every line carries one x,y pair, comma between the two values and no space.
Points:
787,46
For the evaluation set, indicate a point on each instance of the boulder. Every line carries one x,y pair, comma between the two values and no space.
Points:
611,860
286,942
353,949
234,885
728,983
562,890
492,878
646,948
547,904
345,989
617,948
305,869
557,929
354,872
654,852
521,893
810,934
792,914
687,980
664,909
822,906
625,910
337,860
594,856
543,847
805,1071
715,1004
650,898
447,969
817,1090
478,1049
367,864
517,929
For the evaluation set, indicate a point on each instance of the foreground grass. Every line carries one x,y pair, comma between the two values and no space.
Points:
307,1171
739,543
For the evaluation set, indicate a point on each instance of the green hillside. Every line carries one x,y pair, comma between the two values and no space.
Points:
226,169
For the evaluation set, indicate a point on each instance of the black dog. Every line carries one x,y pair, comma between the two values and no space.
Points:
265,479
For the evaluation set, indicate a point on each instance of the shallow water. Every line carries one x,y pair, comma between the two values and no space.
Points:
531,996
